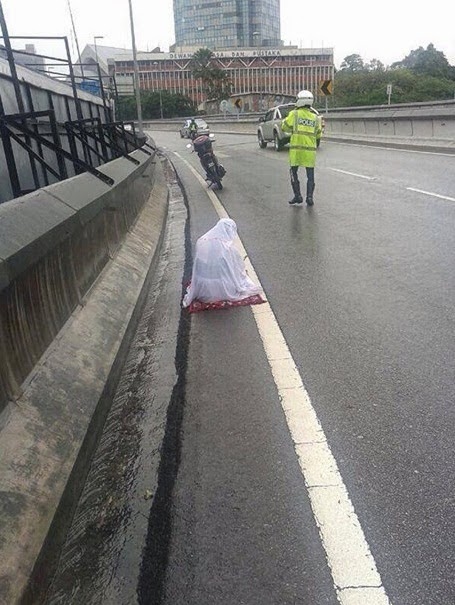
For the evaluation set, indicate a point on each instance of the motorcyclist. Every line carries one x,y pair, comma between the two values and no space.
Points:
214,171
193,129
305,129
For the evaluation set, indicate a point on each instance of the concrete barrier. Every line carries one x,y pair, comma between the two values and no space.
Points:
53,244
419,128
413,126
76,258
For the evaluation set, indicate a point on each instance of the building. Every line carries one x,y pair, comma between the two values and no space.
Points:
227,23
270,72
26,57
105,57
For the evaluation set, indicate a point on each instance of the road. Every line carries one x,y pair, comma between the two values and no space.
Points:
361,287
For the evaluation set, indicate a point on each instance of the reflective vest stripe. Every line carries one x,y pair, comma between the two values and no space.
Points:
311,135
305,147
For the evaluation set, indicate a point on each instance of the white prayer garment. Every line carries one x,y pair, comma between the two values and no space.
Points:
218,270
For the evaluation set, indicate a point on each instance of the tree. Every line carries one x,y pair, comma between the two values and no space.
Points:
423,75
429,61
375,65
369,87
125,108
215,81
201,62
352,63
174,105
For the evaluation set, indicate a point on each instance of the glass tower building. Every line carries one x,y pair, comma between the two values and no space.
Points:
227,23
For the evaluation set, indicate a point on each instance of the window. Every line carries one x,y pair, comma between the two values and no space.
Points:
285,110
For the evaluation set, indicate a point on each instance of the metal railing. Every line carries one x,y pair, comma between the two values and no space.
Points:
39,146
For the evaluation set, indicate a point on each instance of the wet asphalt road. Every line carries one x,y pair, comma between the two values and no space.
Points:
362,286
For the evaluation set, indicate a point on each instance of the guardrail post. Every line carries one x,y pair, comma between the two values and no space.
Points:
9,154
56,137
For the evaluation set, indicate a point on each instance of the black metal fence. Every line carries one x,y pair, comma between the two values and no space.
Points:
51,130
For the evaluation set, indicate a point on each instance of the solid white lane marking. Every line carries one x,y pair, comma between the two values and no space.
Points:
360,176
384,148
442,197
354,572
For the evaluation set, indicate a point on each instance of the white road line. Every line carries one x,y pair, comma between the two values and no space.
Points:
384,148
442,197
354,573
361,176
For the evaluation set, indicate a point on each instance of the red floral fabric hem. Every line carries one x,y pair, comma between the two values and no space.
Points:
196,306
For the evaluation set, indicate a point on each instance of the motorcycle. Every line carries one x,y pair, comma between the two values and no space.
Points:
214,171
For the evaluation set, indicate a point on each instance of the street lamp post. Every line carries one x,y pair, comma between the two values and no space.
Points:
136,72
161,86
257,41
161,92
95,38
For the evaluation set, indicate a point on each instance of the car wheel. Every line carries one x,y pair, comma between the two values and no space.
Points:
262,144
276,142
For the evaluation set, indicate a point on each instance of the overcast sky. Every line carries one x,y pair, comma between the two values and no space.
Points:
386,30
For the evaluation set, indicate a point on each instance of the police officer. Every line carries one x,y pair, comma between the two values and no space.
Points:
305,129
193,129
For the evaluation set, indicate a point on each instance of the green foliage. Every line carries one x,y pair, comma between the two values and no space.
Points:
429,61
174,105
375,65
424,75
125,108
200,62
353,63
215,81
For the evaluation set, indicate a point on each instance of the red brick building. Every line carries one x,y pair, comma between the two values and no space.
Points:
284,70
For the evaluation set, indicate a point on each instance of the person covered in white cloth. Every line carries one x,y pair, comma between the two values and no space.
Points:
219,272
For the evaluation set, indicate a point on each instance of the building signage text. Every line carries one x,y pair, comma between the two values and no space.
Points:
232,54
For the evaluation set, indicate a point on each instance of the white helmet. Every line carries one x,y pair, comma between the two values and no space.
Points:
304,98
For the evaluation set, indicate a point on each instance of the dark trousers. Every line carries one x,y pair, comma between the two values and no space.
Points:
310,184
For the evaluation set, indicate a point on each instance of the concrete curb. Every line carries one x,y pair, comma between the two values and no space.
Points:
48,434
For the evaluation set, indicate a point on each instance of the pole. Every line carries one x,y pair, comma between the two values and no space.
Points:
75,37
161,95
389,93
77,101
136,72
95,38
11,61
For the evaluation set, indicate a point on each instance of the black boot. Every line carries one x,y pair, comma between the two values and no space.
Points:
309,195
297,199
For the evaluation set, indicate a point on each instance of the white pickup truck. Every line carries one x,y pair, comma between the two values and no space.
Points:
269,129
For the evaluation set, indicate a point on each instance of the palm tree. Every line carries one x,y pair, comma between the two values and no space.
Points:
215,80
